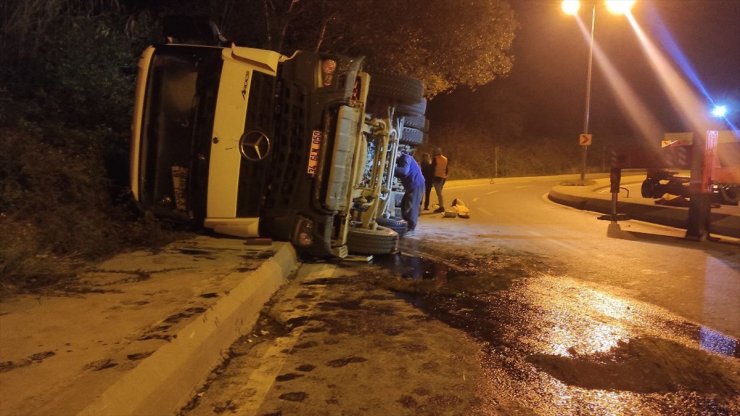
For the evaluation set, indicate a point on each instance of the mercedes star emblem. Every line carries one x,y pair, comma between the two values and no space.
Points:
255,146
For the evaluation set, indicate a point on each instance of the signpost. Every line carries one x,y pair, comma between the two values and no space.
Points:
584,139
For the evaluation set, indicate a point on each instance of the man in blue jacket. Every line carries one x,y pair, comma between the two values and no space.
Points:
409,173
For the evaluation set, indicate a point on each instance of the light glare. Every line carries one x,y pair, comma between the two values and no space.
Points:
719,111
571,6
640,116
690,107
619,6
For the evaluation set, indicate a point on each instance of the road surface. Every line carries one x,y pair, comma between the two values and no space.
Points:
526,307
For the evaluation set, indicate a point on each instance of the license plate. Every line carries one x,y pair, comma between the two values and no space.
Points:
313,156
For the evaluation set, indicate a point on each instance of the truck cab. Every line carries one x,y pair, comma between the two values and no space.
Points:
248,142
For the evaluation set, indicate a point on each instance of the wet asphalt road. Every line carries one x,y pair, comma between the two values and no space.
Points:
698,281
525,308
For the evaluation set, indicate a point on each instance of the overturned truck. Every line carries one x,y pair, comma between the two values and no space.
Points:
248,142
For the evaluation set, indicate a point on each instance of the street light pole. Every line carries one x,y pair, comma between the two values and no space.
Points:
571,7
587,111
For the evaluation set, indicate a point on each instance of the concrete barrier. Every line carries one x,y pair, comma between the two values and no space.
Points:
164,382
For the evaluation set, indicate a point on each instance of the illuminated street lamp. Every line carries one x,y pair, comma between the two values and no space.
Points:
571,7
619,6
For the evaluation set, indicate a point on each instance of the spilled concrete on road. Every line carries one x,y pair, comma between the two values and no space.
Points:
444,330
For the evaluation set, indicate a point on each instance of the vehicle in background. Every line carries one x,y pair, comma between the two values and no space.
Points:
725,172
248,142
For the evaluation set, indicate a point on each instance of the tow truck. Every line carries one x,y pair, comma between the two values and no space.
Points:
724,163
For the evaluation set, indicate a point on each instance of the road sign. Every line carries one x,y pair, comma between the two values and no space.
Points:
584,139
677,139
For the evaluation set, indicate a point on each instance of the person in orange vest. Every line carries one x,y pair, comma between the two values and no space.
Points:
440,169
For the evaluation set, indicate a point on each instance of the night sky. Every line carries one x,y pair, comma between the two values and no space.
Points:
551,58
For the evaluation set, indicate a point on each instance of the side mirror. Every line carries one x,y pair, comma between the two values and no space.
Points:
197,30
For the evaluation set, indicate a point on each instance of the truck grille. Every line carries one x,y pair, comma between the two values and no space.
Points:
291,140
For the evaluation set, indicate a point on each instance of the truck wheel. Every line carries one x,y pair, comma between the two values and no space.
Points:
397,88
411,136
379,241
652,188
648,188
418,108
399,225
416,122
730,194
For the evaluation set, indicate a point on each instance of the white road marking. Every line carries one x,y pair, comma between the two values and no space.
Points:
522,186
475,199
492,192
485,211
568,246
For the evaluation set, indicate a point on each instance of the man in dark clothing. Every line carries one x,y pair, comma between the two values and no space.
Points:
408,171
441,169
427,169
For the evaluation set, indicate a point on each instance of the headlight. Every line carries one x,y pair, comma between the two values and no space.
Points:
328,68
303,235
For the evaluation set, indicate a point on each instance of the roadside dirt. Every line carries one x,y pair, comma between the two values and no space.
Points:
645,365
334,341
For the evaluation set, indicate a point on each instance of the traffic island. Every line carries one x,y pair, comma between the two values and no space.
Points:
589,198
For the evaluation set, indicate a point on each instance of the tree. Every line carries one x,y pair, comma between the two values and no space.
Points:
444,43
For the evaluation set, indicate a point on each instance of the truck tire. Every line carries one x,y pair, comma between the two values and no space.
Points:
399,225
416,122
399,89
652,188
730,194
379,241
419,108
411,136
648,187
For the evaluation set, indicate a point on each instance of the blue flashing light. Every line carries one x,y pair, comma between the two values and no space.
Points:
674,50
719,111
676,53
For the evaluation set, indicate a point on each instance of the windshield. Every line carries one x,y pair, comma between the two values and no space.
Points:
178,119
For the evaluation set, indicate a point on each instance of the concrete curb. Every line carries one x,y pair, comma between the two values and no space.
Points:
721,224
164,382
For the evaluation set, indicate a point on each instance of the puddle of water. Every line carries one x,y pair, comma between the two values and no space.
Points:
512,323
466,298
452,276
416,267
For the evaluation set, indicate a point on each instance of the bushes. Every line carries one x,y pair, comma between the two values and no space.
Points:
56,208
64,127
51,204
472,153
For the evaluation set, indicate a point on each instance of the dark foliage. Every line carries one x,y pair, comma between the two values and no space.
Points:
65,108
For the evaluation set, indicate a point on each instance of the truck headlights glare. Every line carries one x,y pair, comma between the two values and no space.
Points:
303,236
328,68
